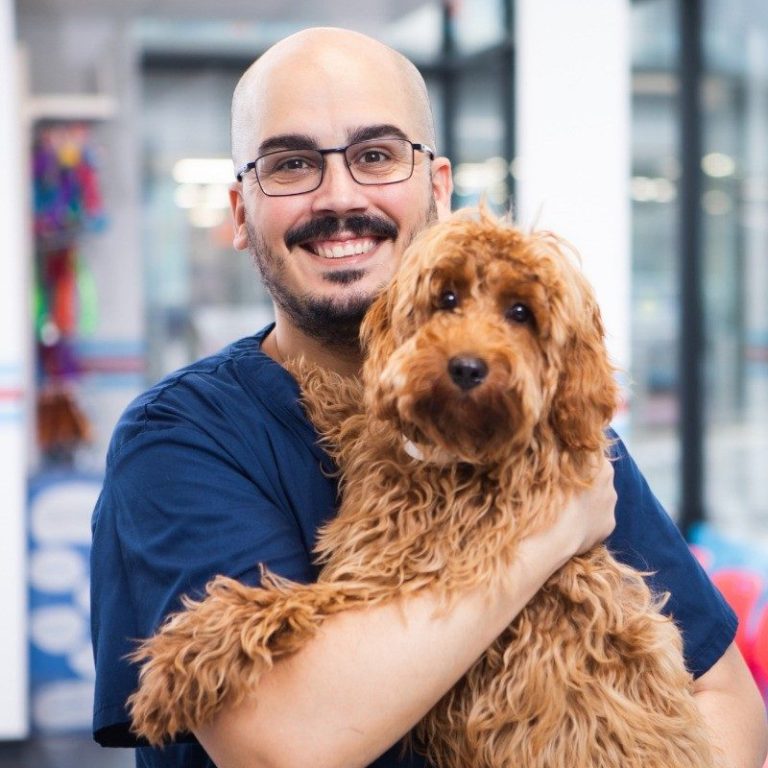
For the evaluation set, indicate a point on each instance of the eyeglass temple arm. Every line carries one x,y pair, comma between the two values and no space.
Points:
244,169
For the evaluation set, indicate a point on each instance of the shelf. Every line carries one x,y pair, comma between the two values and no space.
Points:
70,107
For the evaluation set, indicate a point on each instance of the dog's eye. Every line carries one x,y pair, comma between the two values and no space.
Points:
519,313
448,300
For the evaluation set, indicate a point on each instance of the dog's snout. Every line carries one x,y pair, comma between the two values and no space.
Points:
467,372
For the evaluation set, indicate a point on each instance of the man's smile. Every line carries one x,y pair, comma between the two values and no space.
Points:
341,247
333,237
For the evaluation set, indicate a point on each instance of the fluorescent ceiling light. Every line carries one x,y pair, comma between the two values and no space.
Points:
203,170
718,165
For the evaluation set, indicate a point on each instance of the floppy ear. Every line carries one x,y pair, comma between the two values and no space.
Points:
376,338
587,394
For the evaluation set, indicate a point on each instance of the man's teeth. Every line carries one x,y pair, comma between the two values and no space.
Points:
349,248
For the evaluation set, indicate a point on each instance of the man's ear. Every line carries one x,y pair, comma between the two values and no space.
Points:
442,186
240,236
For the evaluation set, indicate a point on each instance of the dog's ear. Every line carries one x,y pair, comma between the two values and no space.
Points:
378,346
376,336
587,394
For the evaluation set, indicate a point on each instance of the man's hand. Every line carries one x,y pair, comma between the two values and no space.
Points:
588,518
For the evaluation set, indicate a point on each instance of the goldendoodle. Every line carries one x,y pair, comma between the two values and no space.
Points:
486,390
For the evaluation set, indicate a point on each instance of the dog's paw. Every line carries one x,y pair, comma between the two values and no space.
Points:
169,700
210,654
215,651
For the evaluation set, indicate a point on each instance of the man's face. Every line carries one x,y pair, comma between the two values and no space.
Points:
325,254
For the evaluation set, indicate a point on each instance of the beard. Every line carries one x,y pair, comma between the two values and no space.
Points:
334,322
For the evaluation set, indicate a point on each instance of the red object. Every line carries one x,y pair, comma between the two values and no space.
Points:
60,283
741,589
760,644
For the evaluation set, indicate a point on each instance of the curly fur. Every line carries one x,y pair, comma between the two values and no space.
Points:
590,674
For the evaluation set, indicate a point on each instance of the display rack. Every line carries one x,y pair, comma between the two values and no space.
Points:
58,677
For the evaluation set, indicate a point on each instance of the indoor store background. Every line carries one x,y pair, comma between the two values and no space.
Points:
638,130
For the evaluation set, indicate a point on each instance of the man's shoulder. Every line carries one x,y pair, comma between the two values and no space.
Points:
212,372
220,388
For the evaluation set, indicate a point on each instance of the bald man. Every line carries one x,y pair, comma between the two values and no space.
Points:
216,469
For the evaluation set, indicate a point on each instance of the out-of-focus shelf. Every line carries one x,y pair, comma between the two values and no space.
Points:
70,107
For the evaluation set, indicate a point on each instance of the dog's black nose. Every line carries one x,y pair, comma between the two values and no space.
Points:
467,372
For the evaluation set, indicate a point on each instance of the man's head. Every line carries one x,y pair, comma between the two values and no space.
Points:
324,254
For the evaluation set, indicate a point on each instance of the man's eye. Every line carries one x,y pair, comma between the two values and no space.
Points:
376,156
448,300
519,313
292,164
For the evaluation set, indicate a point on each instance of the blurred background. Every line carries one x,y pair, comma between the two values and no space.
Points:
638,130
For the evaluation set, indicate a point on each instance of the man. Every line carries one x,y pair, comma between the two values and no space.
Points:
215,469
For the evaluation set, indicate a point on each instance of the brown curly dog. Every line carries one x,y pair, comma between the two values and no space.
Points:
487,390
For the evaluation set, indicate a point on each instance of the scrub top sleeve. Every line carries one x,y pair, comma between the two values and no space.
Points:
184,512
647,538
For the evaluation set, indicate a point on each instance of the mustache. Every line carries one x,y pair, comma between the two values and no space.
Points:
325,227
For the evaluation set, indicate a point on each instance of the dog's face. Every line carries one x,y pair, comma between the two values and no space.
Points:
487,339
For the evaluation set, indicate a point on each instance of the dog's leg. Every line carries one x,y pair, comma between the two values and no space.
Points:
590,674
215,651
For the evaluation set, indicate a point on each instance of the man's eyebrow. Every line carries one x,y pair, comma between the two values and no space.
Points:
304,141
366,132
287,141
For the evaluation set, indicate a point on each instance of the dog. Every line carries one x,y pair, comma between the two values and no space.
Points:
487,391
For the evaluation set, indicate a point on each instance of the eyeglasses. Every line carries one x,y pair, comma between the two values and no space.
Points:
297,171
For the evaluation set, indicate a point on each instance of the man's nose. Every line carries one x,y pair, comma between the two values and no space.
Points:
338,190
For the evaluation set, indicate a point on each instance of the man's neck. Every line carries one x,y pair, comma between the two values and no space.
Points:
286,342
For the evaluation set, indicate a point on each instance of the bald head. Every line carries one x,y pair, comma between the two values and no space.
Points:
329,71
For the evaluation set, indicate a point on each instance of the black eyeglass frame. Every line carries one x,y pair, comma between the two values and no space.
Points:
415,146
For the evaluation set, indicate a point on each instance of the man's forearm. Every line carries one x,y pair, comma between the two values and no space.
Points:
371,674
734,710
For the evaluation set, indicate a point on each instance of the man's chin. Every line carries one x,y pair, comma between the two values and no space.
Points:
345,276
331,321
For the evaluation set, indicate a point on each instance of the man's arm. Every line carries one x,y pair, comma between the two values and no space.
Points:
734,710
371,675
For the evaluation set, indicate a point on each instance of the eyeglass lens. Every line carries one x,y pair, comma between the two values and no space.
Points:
376,161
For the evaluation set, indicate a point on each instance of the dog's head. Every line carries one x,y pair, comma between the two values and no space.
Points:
488,339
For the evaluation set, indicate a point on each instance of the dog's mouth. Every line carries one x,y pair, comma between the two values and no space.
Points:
474,429
474,424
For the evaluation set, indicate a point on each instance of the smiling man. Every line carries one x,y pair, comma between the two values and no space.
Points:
216,469
352,122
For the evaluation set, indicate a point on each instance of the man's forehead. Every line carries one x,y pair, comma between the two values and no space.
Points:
327,68
326,96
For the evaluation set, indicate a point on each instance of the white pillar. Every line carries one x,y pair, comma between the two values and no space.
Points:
14,354
573,140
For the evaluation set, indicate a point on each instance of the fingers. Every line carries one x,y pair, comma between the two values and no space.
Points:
590,514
